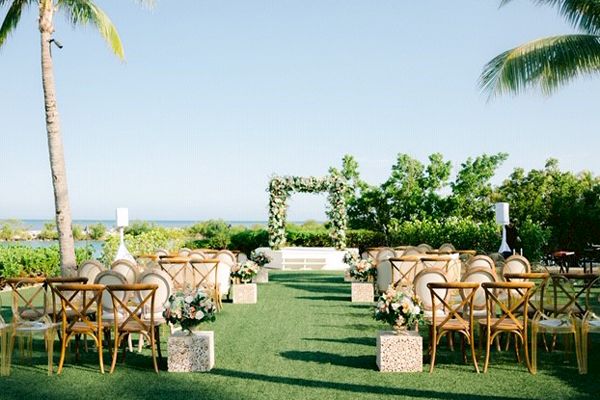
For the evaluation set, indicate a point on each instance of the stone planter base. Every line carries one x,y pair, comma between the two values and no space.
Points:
244,293
362,292
399,352
262,276
191,353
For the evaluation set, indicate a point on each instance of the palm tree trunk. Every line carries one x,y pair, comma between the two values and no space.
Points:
55,145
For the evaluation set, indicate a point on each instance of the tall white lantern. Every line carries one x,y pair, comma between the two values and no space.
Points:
503,219
502,214
122,223
122,217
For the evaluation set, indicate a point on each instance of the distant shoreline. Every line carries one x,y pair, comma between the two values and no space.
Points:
33,225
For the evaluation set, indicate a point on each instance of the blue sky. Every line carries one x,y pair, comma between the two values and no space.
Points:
216,96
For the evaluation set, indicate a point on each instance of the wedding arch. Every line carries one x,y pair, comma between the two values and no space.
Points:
282,187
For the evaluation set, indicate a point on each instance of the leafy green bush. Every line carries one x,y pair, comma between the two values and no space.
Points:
534,239
138,227
143,243
21,261
49,232
249,239
212,234
13,229
96,231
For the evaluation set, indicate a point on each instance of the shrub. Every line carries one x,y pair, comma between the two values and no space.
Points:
49,232
212,234
249,239
96,231
534,239
22,261
143,243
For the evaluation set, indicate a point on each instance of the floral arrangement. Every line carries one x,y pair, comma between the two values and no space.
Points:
260,258
399,308
280,188
245,271
189,309
363,270
351,258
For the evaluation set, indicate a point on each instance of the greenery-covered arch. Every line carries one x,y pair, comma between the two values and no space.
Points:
280,189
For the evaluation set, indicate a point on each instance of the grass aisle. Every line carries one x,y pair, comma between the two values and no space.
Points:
303,340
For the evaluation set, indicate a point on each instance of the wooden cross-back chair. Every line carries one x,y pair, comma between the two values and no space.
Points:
508,320
132,317
482,261
450,265
84,300
176,268
422,279
577,300
205,274
404,269
385,253
90,269
536,293
453,320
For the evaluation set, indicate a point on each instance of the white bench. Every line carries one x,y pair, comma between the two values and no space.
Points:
307,258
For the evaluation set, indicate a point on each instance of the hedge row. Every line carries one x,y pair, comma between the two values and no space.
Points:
21,261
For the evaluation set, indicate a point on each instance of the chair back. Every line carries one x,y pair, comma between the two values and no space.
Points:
507,311
162,253
196,255
176,268
29,299
482,261
384,275
404,269
412,251
227,257
126,268
422,279
479,276
385,253
184,252
569,294
56,308
132,318
424,248
516,264
452,311
536,294
83,300
372,252
90,269
205,273
164,290
447,248
109,278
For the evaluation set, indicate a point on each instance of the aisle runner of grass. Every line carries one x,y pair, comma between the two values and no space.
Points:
303,340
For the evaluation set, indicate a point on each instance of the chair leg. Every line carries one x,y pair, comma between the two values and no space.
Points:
115,352
100,352
63,350
517,355
526,351
153,346
487,349
534,344
157,340
433,349
473,355
578,353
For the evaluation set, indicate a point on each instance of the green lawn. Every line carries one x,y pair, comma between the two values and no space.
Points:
303,340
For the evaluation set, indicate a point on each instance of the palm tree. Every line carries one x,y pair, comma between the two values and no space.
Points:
79,12
550,62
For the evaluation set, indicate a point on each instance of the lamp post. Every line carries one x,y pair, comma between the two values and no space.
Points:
122,223
502,219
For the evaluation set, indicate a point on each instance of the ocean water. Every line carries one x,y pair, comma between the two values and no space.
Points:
38,224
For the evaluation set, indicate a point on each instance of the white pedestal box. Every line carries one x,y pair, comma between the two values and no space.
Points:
363,292
191,353
244,293
399,352
262,276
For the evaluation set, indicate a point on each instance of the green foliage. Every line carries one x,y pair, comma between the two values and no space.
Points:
21,261
143,243
250,239
96,231
549,62
212,234
138,227
78,233
49,232
12,229
534,240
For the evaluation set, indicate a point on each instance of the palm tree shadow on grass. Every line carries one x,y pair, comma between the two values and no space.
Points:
324,298
363,341
358,388
321,357
319,288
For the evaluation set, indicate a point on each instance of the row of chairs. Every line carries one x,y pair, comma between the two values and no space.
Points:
540,302
78,308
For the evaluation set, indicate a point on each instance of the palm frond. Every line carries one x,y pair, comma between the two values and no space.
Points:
547,63
82,12
583,15
12,18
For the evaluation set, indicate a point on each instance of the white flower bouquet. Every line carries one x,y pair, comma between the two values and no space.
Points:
260,258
